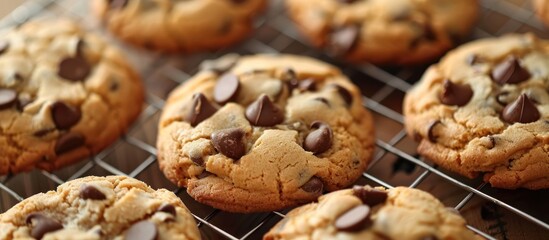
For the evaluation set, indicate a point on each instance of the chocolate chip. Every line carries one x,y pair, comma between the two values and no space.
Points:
4,46
118,4
473,59
43,132
264,113
354,219
307,85
41,224
343,39
455,94
230,142
8,98
344,93
521,110
323,100
314,185
197,160
426,34
143,230
167,208
68,142
64,116
90,192
204,174
239,1
226,88
500,98
510,71
288,74
370,196
201,109
114,86
430,130
492,142
319,140
74,68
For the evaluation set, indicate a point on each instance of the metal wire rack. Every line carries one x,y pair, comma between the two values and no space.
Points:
395,162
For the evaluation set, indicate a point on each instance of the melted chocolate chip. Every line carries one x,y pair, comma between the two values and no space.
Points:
201,109
65,116
230,142
4,46
510,72
354,219
8,98
167,208
455,94
143,230
314,185
68,142
264,113
370,196
521,110
430,130
118,4
319,140
74,68
343,39
344,94
226,88
41,224
307,85
91,192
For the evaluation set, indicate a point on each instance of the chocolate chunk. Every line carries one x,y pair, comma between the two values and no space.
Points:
226,88
64,116
455,94
91,192
371,196
343,39
8,98
230,142
143,230
307,85
314,185
198,160
74,68
204,174
522,110
319,140
510,71
167,208
354,220
430,130
344,93
492,142
323,100
4,46
68,142
264,113
201,109
41,224
118,4
500,98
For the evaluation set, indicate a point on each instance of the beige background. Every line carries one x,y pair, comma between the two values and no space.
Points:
7,6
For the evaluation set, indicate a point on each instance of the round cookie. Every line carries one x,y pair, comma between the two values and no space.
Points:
113,207
483,110
179,26
373,213
264,132
64,95
396,32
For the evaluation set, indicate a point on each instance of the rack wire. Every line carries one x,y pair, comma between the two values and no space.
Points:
395,162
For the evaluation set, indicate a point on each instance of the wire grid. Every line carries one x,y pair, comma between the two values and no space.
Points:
134,154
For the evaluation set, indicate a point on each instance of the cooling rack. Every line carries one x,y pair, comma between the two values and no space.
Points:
492,213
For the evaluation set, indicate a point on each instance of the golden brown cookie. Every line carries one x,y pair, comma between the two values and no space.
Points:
484,109
392,32
64,95
264,132
179,26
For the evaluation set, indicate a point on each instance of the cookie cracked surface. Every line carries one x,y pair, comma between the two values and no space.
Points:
179,26
113,207
483,110
64,94
264,132
373,213
384,32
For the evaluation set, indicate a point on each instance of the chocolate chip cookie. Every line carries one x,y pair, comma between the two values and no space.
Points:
384,32
373,213
64,94
113,207
264,132
483,110
179,26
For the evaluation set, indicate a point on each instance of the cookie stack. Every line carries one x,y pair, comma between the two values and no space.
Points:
267,132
